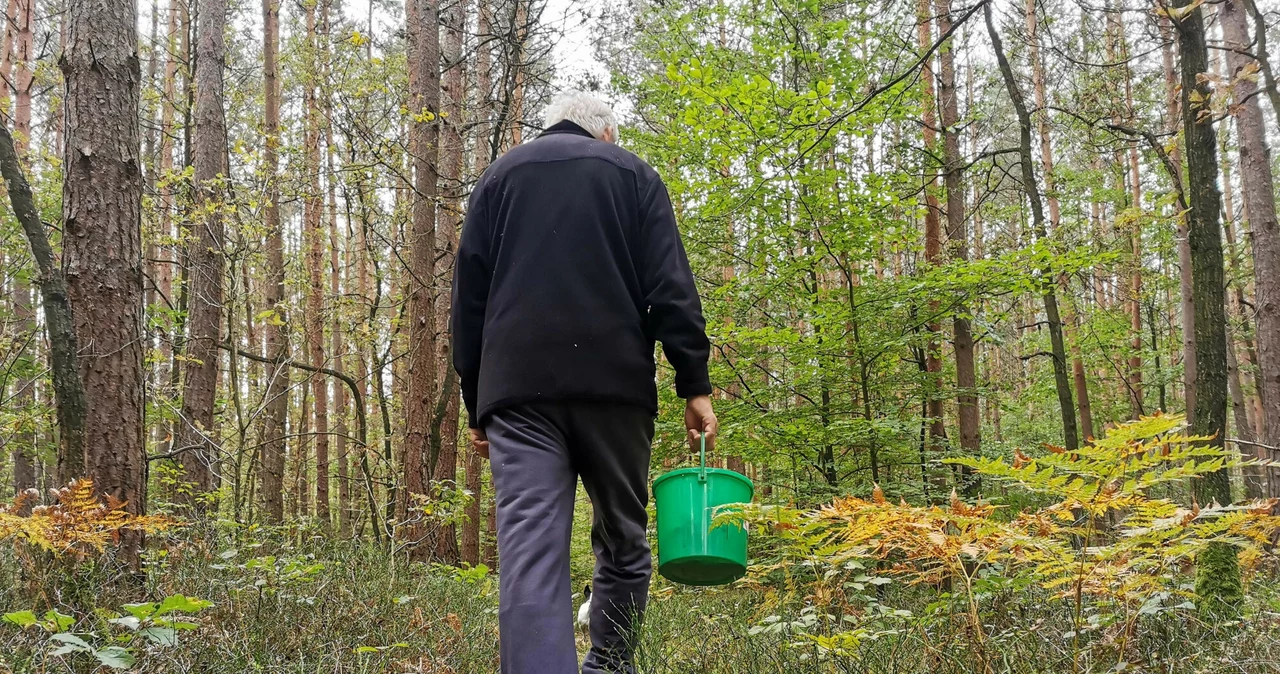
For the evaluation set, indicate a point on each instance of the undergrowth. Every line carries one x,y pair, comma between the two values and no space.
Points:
1095,575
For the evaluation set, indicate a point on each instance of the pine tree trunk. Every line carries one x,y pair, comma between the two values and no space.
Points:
1186,293
491,534
474,463
520,34
102,241
338,349
313,226
1134,378
932,233
24,397
1255,477
1218,572
1257,186
272,455
967,409
1078,376
196,439
12,16
422,17
164,198
1030,187
449,219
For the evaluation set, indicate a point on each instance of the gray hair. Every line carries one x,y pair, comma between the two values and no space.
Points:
582,109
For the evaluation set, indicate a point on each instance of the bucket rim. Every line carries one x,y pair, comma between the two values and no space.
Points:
679,472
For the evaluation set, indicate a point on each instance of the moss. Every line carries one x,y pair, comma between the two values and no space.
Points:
1218,580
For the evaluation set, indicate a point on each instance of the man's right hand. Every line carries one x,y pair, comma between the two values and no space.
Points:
479,442
700,420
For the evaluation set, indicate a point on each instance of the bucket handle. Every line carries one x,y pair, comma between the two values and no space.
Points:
702,458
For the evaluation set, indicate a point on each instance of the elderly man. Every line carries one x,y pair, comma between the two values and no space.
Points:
569,269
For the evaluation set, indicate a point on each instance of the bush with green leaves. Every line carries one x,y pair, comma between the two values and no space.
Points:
114,639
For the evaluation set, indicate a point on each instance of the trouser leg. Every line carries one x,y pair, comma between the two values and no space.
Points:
611,447
534,482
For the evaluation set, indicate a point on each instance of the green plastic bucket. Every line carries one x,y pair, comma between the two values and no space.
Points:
689,550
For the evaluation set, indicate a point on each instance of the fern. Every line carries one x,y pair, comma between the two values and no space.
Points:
77,523
1103,541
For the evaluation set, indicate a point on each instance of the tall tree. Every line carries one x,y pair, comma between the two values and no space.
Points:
967,409
24,398
102,238
196,437
1118,52
1186,293
1030,187
474,464
1078,376
272,453
1218,571
337,336
932,226
422,17
444,432
1257,187
315,236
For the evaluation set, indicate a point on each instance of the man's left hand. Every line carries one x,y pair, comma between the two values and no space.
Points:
479,442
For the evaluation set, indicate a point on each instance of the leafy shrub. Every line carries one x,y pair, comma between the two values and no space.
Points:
62,547
1103,546
77,523
120,637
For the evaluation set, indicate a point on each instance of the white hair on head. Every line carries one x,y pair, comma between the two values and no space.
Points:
582,109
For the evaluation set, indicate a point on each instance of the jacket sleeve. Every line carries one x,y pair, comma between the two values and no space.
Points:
675,312
471,276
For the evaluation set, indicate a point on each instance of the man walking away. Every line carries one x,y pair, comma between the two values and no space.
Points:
569,269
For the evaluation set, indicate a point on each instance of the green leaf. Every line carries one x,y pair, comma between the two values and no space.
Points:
183,604
115,657
73,641
160,636
144,610
59,621
177,624
127,622
23,619
366,649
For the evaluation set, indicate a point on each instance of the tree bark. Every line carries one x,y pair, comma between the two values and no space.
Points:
422,17
1061,379
449,218
520,35
102,240
1218,572
474,463
1255,477
24,397
338,347
196,439
1257,188
1186,293
932,231
272,452
69,394
967,409
1134,378
313,228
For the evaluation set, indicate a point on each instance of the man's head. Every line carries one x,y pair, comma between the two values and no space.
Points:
586,111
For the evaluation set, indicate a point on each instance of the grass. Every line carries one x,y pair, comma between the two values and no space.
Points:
300,604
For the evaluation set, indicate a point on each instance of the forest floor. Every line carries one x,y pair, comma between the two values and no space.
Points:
293,601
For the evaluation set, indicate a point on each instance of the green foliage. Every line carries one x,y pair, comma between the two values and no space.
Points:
1103,546
119,638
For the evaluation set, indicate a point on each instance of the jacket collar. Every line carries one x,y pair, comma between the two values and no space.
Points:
565,126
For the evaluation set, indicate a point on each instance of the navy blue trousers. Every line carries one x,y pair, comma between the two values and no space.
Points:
537,453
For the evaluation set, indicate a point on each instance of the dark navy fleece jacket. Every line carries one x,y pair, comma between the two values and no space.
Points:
570,267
